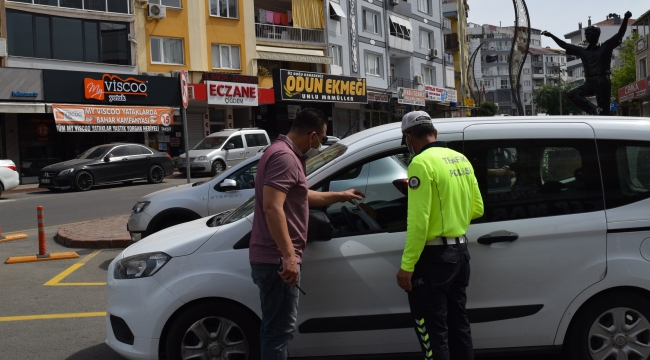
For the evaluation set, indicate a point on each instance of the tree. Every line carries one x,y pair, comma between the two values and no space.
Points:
487,109
547,99
626,73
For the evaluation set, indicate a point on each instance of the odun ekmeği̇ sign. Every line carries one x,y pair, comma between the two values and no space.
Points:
292,85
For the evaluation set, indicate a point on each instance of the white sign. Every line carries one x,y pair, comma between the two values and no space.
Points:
184,94
439,94
227,93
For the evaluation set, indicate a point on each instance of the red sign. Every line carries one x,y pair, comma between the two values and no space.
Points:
226,93
184,95
633,91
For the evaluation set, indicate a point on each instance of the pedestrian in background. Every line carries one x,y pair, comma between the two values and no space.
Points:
279,236
443,197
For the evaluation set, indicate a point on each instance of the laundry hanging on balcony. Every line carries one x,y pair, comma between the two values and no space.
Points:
308,14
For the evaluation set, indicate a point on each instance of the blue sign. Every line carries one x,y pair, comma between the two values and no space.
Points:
613,106
24,94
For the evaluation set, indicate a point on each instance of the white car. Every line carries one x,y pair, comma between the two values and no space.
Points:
183,203
9,178
560,260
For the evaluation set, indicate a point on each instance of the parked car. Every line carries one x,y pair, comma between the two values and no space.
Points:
559,261
104,164
9,178
223,149
183,203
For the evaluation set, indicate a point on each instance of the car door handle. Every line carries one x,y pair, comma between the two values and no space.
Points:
497,237
125,159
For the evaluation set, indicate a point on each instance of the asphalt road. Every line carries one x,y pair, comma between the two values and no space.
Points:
65,319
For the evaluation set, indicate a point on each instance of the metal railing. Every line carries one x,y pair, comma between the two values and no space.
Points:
538,64
396,82
449,58
552,64
278,33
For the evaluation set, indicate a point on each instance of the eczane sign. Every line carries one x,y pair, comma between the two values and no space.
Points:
229,93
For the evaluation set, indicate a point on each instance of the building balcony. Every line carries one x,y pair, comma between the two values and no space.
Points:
552,65
288,34
538,76
446,25
538,64
449,58
396,82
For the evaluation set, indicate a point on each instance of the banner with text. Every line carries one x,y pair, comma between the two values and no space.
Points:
79,118
228,93
308,86
440,94
410,96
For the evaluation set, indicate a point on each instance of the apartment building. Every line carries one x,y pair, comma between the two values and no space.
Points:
456,63
493,45
634,98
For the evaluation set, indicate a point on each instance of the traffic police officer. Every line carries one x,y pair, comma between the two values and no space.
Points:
443,198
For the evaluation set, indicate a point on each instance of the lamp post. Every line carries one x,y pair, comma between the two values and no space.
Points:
559,87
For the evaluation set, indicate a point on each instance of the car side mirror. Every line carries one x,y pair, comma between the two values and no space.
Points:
108,157
319,227
230,146
227,185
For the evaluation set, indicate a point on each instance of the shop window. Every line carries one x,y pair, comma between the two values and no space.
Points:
225,57
115,6
167,51
167,3
224,8
61,38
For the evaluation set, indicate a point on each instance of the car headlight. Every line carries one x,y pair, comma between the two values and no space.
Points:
66,172
140,266
201,158
140,206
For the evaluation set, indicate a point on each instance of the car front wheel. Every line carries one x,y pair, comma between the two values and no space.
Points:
156,174
615,326
214,330
83,181
218,167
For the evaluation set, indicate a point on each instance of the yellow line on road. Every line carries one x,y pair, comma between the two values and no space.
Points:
56,281
52,316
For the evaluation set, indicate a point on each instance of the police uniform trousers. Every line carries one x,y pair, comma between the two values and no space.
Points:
438,301
599,86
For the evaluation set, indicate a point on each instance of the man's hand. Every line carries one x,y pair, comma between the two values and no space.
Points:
628,15
289,273
351,194
546,33
404,280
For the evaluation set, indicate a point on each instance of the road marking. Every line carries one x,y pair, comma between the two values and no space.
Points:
56,281
52,316
13,237
7,200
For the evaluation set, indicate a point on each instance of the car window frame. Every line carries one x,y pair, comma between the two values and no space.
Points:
126,151
231,138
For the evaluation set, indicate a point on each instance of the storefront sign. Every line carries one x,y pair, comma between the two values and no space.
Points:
633,91
235,78
77,87
229,93
377,97
410,96
24,94
20,84
79,118
292,85
440,94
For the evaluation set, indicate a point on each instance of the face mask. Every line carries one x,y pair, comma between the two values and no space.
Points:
313,151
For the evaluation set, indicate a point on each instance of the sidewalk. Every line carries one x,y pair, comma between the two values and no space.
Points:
24,188
104,233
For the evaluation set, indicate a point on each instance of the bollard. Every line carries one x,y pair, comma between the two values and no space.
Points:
42,246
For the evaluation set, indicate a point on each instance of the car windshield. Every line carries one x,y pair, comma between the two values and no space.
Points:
313,164
211,142
95,153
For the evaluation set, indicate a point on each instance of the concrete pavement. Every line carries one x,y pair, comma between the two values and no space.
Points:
108,232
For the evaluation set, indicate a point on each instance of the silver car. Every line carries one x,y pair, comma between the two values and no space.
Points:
183,203
222,150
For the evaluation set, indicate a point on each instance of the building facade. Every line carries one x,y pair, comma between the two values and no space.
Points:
456,42
634,99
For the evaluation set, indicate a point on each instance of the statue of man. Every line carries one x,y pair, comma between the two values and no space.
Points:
596,59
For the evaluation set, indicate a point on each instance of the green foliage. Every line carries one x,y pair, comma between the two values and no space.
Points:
487,109
547,99
626,73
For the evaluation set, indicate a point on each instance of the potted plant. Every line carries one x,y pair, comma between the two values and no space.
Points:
264,78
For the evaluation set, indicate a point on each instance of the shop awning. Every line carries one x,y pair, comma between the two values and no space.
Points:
21,108
336,8
291,54
401,21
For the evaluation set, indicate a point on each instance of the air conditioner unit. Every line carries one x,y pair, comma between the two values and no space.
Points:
157,11
418,79
394,2
3,47
163,74
435,54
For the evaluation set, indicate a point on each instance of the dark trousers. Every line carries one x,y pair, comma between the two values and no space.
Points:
600,86
438,302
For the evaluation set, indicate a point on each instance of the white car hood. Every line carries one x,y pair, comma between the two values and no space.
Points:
181,189
179,240
197,153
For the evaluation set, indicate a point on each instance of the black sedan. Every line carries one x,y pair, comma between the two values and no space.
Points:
107,164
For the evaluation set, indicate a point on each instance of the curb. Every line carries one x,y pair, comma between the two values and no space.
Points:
65,239
17,191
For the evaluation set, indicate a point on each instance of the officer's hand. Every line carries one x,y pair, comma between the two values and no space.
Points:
351,194
289,273
404,280
628,15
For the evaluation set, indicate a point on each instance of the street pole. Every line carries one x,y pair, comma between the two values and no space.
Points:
187,144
